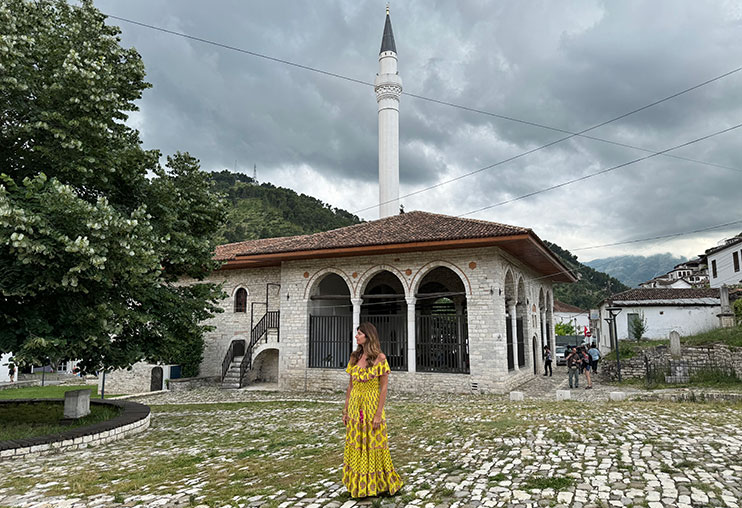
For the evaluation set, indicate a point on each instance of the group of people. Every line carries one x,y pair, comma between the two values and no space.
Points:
580,360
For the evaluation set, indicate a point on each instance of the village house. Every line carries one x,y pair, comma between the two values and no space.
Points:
724,262
687,311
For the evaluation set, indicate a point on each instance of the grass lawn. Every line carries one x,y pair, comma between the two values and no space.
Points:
23,420
728,336
47,392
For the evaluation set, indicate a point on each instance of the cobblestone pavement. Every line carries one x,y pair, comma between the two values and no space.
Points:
259,448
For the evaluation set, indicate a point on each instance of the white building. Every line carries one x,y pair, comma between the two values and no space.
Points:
4,371
687,311
577,317
725,263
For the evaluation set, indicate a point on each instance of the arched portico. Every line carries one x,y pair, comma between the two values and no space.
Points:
441,324
521,321
385,306
510,325
330,322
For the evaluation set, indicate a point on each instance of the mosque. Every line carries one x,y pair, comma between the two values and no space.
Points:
461,305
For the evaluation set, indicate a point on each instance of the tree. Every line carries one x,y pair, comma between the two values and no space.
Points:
564,329
90,247
637,325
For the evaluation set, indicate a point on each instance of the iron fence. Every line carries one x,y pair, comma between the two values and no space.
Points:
393,338
330,341
442,343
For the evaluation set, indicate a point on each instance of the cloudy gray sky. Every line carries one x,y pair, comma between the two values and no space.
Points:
567,65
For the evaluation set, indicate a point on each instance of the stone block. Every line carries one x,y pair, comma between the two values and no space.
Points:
516,396
76,403
618,396
675,344
563,395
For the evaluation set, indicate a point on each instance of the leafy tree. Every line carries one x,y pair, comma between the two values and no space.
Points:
564,329
638,326
90,247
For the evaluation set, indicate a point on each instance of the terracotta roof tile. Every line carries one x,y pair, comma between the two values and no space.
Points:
565,307
665,294
408,227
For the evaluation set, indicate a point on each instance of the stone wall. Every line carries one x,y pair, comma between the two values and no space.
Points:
137,379
191,383
696,357
481,270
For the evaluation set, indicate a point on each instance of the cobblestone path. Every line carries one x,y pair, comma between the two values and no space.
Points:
248,448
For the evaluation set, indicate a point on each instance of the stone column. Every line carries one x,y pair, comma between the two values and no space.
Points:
726,317
356,318
514,324
411,334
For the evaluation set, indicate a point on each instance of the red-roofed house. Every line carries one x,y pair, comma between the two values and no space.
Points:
460,304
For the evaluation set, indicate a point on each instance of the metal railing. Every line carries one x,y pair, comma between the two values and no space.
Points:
229,356
392,338
270,319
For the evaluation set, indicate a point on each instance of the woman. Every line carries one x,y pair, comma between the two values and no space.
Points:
367,465
547,361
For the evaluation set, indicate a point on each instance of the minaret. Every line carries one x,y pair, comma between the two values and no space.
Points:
388,88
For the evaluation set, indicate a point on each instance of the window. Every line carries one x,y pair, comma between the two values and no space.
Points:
713,268
240,300
735,259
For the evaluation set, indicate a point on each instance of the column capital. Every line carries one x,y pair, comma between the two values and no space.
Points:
356,301
411,300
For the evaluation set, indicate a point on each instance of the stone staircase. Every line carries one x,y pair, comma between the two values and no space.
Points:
232,379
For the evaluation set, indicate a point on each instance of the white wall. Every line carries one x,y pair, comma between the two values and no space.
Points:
4,359
661,320
578,320
725,273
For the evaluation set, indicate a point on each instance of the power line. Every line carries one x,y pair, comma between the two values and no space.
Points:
602,171
462,107
660,237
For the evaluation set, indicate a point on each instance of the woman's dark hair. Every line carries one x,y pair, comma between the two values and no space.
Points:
372,347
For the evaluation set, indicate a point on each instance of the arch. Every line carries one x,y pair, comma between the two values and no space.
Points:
441,321
265,365
315,279
240,299
521,321
509,285
541,300
330,316
429,267
384,305
372,272
522,297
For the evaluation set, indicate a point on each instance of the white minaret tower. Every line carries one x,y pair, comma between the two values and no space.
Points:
388,88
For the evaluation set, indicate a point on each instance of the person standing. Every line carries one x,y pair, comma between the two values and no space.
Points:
594,353
547,361
573,366
586,363
367,464
11,370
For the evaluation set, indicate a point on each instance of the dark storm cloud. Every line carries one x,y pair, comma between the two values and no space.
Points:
569,65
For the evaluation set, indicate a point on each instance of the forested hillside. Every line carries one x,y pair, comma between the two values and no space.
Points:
592,287
266,211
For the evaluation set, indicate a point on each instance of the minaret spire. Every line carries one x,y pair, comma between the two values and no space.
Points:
388,88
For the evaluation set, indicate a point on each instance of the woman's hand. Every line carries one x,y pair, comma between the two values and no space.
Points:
376,423
346,418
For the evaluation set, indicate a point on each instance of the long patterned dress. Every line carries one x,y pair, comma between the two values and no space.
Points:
367,465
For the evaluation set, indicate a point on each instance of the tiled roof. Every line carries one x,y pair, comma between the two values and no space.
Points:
565,307
410,227
640,294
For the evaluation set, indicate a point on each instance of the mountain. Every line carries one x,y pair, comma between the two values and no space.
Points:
266,211
633,270
592,287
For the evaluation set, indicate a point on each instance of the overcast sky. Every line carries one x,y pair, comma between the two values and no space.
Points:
567,65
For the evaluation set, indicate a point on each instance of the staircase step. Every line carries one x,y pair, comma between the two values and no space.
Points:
230,386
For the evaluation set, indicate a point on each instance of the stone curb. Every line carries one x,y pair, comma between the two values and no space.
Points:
134,418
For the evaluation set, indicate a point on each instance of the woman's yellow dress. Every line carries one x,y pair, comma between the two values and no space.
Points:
367,465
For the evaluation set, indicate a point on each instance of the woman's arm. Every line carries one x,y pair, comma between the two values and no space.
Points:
347,399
